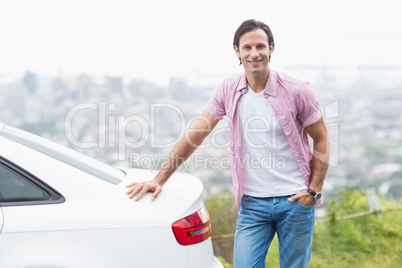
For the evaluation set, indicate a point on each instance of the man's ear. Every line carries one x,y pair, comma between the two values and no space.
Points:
236,49
271,49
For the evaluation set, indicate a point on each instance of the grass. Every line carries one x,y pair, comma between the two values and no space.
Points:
371,241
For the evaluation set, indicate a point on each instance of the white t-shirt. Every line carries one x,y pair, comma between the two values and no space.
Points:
270,166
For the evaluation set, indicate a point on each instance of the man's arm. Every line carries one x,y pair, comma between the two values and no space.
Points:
318,132
320,136
180,153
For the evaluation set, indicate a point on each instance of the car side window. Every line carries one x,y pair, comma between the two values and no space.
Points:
19,187
14,187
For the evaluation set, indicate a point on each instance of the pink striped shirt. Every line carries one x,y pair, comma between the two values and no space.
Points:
295,106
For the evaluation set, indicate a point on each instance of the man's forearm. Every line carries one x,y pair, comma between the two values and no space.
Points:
176,158
186,146
319,168
320,163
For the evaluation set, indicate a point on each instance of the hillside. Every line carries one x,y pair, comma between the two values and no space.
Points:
370,241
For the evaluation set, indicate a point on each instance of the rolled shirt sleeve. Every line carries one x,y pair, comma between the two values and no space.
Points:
216,104
308,107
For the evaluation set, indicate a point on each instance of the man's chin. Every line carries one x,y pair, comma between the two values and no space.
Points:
257,70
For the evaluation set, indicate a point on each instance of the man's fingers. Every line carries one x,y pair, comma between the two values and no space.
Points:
156,193
130,190
143,191
294,198
133,191
304,198
131,184
139,189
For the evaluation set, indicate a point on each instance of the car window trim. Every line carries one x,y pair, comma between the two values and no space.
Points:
55,196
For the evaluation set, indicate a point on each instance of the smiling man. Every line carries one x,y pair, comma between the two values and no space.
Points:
277,180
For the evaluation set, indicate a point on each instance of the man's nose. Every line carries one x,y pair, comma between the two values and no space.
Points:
254,53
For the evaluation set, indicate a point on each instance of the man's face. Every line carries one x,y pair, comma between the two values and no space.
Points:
254,51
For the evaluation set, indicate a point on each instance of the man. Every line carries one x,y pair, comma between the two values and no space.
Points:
276,178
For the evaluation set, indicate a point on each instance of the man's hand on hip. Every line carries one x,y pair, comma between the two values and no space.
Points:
304,198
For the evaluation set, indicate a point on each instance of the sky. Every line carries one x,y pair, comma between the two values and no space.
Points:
156,40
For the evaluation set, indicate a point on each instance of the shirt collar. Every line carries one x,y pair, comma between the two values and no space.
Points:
242,86
270,87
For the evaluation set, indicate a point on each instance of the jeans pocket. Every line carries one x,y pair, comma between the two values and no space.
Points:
303,206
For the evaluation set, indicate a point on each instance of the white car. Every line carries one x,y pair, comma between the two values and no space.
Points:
61,209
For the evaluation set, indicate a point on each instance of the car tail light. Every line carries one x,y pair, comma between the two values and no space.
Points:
193,229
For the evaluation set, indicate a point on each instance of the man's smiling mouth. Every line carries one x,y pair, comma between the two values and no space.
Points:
255,62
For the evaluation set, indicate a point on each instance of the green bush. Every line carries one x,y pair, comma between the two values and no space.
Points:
369,241
223,212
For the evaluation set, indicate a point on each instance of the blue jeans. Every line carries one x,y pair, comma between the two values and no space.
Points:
260,218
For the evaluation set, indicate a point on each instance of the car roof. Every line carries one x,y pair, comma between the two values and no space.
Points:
63,154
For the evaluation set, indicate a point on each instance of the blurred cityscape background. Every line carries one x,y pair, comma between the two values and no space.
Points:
135,123
121,80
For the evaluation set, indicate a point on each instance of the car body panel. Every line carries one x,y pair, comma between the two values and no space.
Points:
182,190
91,248
63,154
98,225
1,220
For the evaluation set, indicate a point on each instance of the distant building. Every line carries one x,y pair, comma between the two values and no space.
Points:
30,82
14,101
82,88
178,88
115,84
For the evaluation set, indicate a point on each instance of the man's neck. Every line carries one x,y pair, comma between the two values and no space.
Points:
257,82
